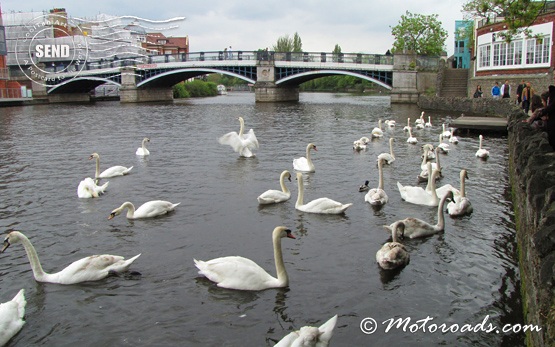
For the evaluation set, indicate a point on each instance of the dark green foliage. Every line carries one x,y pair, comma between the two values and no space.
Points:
194,89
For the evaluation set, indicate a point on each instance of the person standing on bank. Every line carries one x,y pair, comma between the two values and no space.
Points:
506,90
478,93
519,91
527,93
496,91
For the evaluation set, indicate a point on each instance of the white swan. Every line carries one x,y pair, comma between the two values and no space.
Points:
390,123
243,274
420,120
88,188
425,156
431,153
93,268
142,150
308,336
241,143
453,138
147,210
461,206
482,152
110,172
429,122
393,254
11,317
388,157
364,187
320,205
407,127
305,164
443,147
377,196
273,196
441,191
412,139
360,144
415,227
424,174
419,195
377,132
445,133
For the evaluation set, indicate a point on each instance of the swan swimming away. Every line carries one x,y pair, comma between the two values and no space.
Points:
110,172
149,209
429,122
304,164
453,138
93,268
11,317
415,227
388,157
443,147
143,150
308,336
87,189
419,195
273,196
461,206
241,143
482,152
407,127
364,187
445,133
393,254
377,132
320,205
377,196
420,120
411,139
244,274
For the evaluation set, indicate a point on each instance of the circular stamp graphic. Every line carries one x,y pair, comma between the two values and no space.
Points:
50,49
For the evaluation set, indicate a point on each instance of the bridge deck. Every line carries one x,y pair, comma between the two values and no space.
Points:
497,124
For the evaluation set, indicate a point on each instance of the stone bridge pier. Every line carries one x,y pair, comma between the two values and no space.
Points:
265,88
130,93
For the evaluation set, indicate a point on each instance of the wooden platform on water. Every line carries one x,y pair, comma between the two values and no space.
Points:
496,124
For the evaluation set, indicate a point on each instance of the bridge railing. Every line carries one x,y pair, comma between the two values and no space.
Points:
261,55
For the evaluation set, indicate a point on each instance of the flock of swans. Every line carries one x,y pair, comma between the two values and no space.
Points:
239,273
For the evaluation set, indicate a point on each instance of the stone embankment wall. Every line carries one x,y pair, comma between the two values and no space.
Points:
483,107
532,175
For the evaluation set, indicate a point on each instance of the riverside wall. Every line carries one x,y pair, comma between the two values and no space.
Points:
532,177
483,107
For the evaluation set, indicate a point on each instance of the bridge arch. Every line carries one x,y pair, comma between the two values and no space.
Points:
171,77
310,75
80,85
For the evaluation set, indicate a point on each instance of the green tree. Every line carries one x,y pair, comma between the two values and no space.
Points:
336,49
288,44
517,14
419,34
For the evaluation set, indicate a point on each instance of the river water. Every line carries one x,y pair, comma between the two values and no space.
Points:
463,276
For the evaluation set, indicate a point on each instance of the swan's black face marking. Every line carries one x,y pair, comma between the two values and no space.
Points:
6,244
112,215
289,235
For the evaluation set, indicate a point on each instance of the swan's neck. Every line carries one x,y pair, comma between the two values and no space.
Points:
425,157
408,122
308,159
300,196
480,143
33,258
130,209
97,172
391,148
282,277
242,127
443,127
282,184
440,218
144,145
380,174
410,133
437,158
462,185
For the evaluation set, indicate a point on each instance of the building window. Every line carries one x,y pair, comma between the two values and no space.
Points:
485,52
518,52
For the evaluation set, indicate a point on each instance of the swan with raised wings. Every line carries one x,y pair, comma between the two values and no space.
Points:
143,150
461,206
109,172
377,132
241,143
415,227
482,152
388,157
304,164
92,268
421,196
308,336
274,196
88,188
149,209
11,317
393,254
244,274
377,196
320,205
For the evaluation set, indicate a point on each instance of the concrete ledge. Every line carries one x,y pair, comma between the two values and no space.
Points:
483,107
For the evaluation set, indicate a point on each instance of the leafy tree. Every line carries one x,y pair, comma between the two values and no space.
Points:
336,49
517,14
288,44
419,34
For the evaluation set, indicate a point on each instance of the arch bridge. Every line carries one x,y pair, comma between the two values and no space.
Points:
275,76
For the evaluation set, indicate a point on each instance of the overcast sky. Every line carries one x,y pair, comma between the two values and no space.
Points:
358,26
